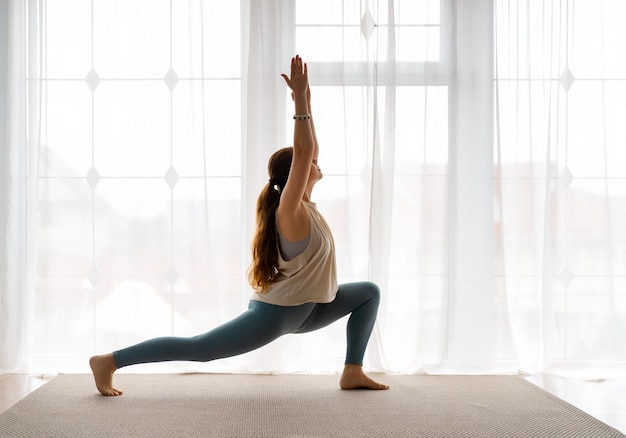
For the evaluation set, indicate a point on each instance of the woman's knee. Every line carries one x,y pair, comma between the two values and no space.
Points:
371,290
375,291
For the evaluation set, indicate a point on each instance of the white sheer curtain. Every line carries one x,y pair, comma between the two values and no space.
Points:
19,143
351,49
380,76
139,133
560,184
157,121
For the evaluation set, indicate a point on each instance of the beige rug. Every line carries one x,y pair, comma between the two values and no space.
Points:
224,405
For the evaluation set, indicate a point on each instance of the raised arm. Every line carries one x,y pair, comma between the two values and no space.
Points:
316,148
308,103
292,214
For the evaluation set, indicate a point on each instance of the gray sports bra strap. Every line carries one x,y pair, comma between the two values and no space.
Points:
290,250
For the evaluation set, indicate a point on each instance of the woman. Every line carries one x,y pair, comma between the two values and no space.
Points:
293,272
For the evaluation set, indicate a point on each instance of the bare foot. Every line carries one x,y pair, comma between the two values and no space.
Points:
353,377
103,368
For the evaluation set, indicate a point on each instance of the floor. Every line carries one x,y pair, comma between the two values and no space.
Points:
603,399
14,387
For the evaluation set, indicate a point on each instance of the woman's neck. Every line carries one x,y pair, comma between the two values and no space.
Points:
306,197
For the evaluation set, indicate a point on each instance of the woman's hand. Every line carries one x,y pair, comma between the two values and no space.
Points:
299,80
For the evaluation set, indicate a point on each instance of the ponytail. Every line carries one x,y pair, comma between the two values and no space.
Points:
264,268
265,243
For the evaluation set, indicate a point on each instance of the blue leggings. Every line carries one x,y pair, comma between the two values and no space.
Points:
262,323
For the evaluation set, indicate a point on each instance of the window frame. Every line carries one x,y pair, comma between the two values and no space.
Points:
404,73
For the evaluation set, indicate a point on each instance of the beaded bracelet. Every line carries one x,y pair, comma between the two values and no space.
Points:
302,117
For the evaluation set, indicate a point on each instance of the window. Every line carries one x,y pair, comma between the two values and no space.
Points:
139,100
381,75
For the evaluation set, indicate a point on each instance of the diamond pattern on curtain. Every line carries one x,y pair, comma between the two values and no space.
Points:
139,176
561,81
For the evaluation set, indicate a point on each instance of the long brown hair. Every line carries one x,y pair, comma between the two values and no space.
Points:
264,265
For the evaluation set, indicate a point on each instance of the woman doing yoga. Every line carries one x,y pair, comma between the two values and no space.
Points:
293,272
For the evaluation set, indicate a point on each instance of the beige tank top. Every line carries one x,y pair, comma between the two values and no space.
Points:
310,277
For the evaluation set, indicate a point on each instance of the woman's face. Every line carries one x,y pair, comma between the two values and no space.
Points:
316,173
